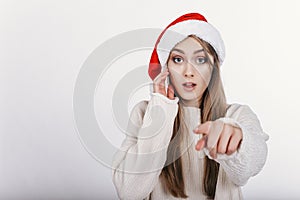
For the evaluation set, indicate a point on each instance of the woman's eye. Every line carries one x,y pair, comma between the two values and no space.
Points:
177,60
201,60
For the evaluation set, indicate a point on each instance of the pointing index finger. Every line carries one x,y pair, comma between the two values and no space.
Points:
203,128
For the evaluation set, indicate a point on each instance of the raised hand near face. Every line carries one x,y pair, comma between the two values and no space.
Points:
160,87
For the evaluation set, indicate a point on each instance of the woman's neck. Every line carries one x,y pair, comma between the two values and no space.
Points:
190,103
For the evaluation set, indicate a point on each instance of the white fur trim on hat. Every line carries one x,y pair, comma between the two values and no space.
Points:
181,30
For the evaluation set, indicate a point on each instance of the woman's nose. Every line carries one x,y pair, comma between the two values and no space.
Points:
189,70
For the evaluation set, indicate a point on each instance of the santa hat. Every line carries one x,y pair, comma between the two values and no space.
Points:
178,30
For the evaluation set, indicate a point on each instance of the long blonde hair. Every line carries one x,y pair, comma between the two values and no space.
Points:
213,106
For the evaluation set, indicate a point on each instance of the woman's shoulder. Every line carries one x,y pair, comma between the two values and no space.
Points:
238,109
243,114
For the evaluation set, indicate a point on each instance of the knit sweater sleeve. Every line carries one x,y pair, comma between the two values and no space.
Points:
138,163
251,156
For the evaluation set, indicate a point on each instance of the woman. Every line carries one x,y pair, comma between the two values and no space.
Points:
186,142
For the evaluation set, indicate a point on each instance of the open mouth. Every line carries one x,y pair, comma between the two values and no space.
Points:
189,86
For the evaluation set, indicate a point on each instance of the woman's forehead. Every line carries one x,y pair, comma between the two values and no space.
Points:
188,46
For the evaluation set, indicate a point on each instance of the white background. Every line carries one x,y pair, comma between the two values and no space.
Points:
43,45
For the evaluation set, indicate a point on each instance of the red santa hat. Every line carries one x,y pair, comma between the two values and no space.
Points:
178,30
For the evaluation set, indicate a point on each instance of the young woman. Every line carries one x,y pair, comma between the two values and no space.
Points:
186,142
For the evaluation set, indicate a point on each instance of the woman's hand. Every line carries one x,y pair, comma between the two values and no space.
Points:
159,85
218,137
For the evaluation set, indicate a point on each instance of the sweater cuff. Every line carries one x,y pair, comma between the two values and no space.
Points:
159,115
164,98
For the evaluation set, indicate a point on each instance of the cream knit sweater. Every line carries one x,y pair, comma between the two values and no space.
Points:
137,165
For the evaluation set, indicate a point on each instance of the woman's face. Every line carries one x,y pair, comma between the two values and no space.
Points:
190,71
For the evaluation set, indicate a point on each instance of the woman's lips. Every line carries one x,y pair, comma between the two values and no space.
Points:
189,86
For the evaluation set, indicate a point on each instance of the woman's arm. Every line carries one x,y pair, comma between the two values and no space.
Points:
138,163
251,155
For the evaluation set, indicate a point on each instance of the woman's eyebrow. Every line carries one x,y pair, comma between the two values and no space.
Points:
181,51
198,51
